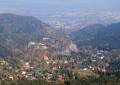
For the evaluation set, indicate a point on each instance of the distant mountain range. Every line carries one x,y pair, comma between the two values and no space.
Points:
98,36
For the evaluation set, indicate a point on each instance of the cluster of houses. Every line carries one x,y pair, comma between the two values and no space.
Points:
56,65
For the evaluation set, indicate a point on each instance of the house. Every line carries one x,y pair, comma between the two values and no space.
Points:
11,77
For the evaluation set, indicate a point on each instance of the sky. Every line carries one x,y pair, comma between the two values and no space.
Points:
37,7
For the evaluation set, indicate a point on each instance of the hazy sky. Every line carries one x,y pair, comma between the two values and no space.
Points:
36,7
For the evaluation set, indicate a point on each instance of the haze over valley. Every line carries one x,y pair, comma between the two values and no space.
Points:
59,42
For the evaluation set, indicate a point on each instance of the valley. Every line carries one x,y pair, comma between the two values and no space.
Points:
31,50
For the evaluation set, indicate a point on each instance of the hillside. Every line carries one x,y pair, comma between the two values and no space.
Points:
17,31
21,29
102,37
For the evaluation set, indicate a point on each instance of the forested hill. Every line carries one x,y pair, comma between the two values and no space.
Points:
21,29
17,31
103,37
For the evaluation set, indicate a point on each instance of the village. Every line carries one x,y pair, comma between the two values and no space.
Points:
57,68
